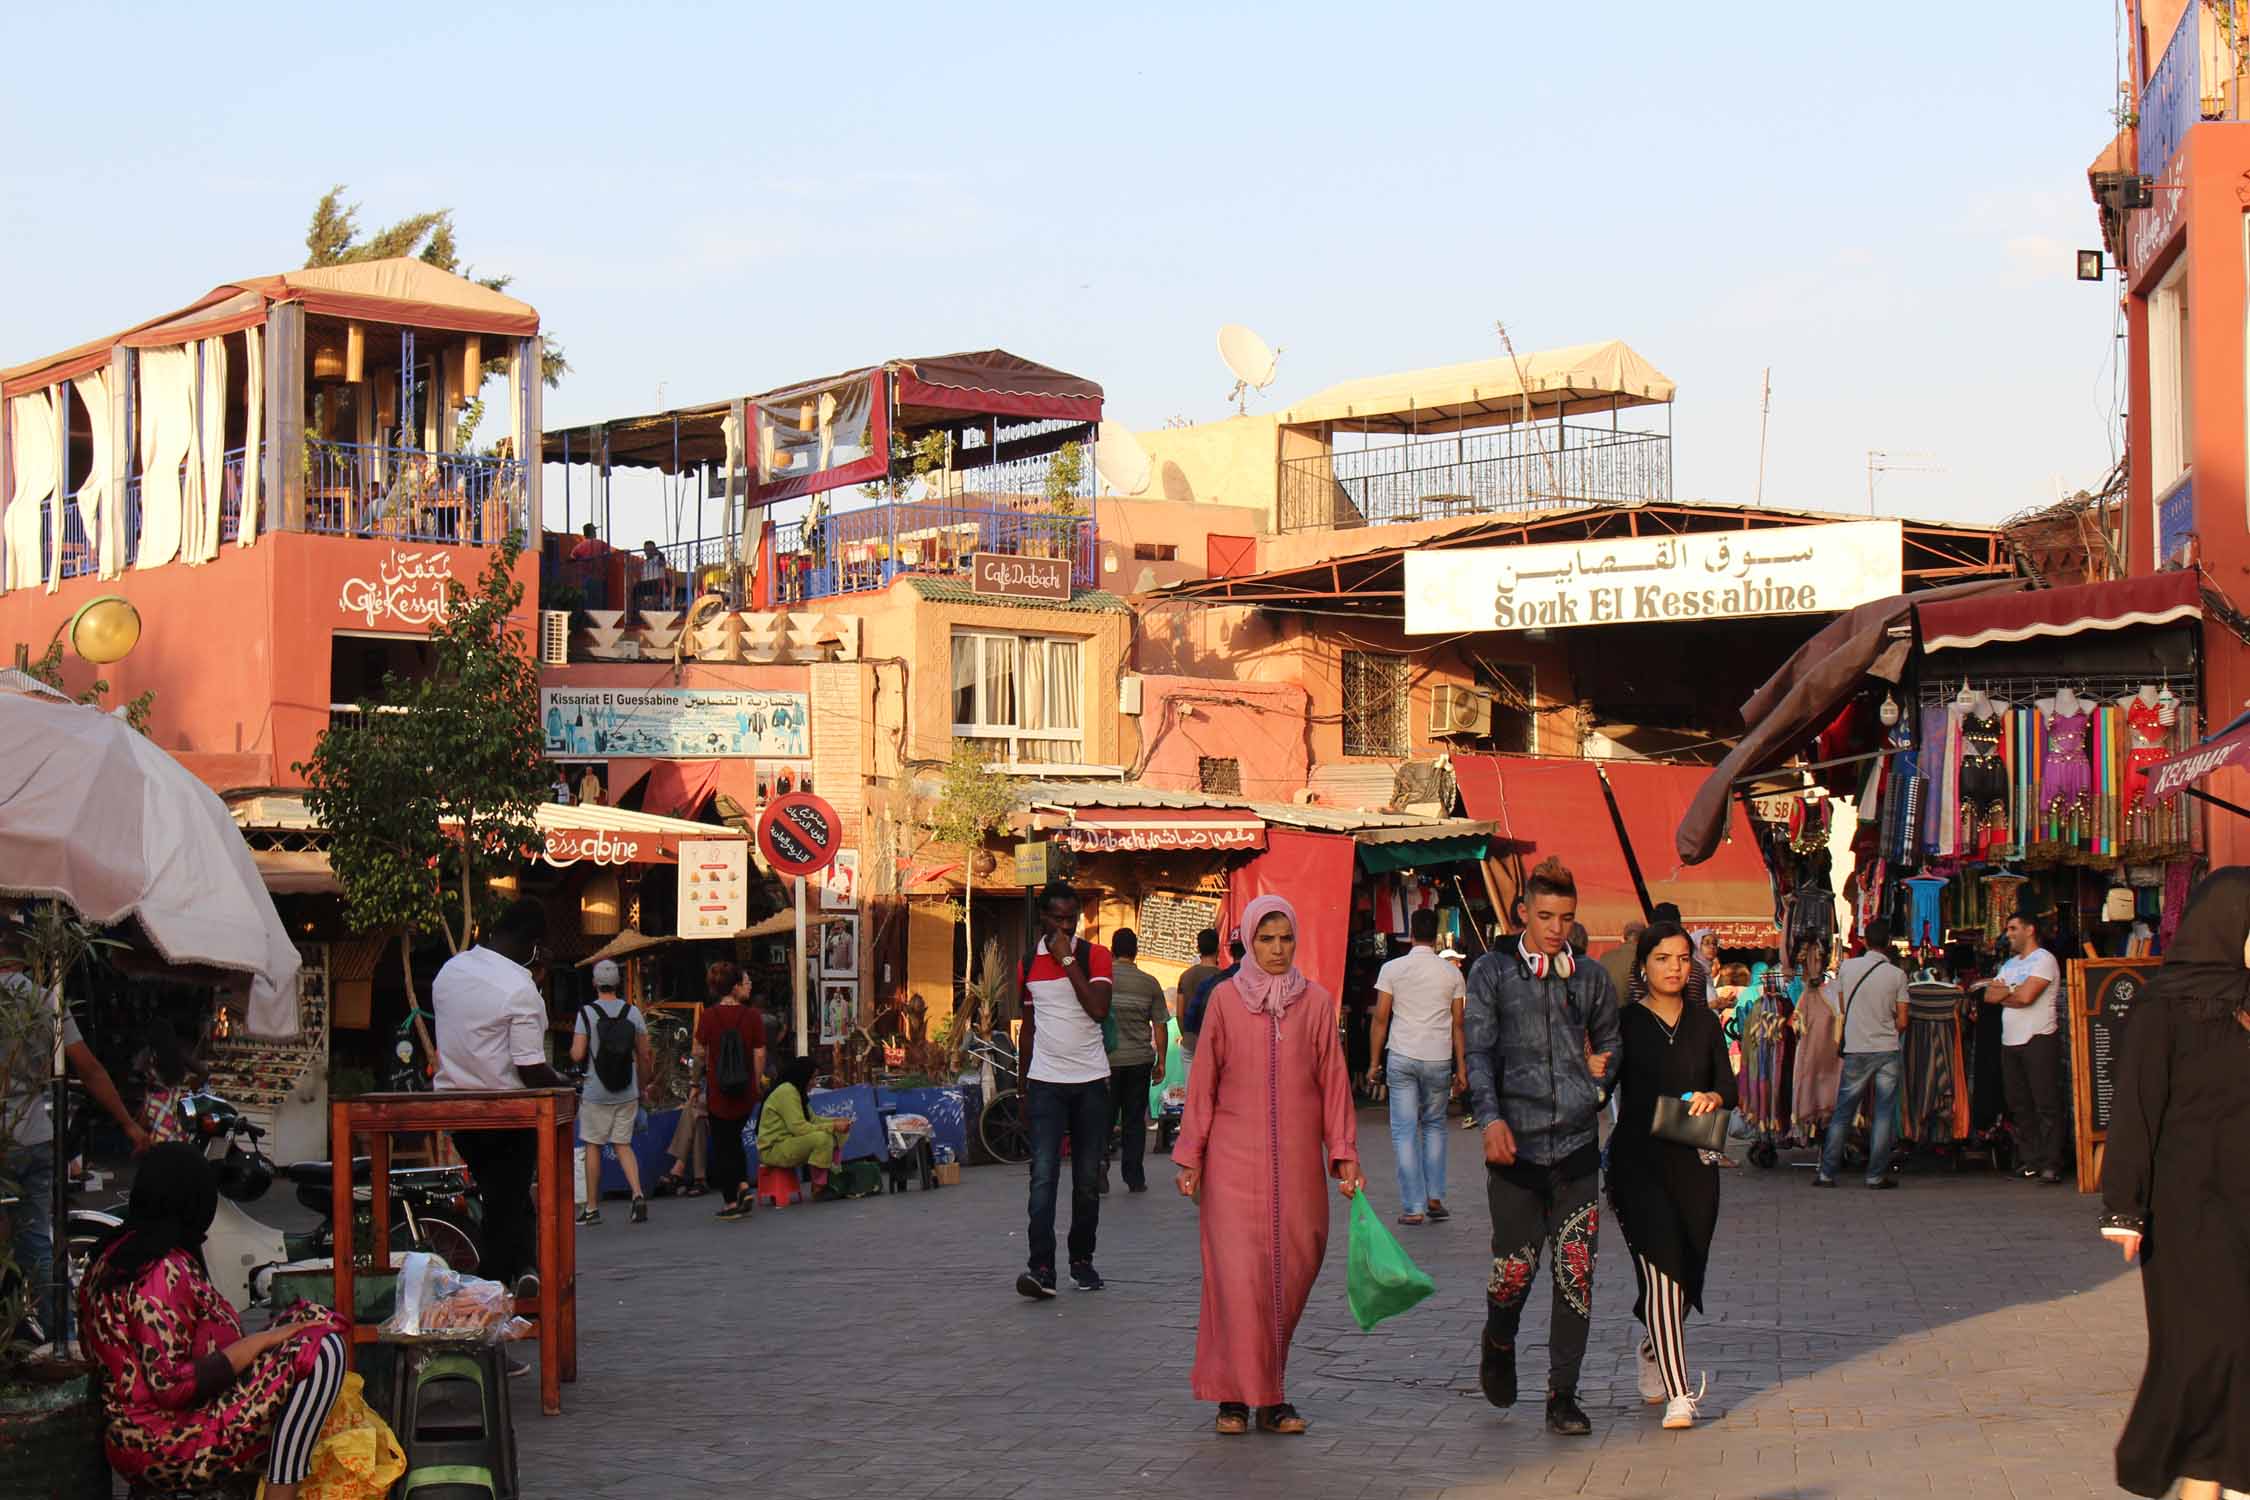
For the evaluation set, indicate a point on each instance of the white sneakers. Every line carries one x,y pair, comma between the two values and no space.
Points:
1681,1411
1652,1376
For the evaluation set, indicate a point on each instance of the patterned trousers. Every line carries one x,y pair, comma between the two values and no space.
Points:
1534,1207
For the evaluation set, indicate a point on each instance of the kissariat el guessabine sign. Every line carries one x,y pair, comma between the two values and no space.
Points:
1709,575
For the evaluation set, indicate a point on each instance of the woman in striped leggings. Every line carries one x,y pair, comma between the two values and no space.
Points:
1665,1196
188,1396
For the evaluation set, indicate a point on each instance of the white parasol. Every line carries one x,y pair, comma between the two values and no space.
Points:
95,814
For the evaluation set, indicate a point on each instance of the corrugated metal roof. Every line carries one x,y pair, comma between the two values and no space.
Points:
1369,827
955,591
289,813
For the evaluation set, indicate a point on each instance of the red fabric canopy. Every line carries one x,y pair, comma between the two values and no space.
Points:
1731,888
679,788
2155,599
1558,808
1313,872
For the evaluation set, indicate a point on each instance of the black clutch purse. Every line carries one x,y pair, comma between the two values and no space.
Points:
1672,1122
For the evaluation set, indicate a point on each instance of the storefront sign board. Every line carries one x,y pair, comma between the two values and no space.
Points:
714,887
673,723
2103,992
1705,575
999,575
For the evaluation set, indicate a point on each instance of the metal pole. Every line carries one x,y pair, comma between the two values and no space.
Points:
1765,409
804,1047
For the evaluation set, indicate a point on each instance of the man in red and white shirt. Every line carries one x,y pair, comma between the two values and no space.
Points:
1066,985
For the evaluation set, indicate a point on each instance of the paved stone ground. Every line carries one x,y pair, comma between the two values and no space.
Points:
1968,1336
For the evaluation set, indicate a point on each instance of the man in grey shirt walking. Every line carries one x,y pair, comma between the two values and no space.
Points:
1136,1009
1874,991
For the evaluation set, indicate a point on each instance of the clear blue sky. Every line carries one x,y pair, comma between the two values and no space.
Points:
1880,204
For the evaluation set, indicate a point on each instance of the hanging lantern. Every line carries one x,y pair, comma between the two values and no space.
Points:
601,906
328,357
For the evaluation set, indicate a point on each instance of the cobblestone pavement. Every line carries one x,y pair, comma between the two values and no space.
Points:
1968,1336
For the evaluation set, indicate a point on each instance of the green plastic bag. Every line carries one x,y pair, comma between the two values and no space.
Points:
1381,1282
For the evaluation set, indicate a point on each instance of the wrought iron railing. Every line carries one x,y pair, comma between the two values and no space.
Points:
407,495
858,551
1524,468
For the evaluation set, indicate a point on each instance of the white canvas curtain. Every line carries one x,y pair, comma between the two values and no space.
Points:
210,450
32,420
167,422
253,441
93,496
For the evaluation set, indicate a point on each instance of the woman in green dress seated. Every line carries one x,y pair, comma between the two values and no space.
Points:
788,1135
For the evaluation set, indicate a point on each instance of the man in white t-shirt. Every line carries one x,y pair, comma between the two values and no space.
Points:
2031,1048
492,1034
1066,989
1418,1000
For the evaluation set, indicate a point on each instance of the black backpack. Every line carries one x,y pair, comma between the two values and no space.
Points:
614,1045
730,1065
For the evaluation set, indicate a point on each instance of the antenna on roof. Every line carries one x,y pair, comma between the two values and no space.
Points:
1120,459
1765,410
1880,462
1252,362
1523,391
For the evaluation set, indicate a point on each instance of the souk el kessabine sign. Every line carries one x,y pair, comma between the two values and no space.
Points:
672,723
1703,575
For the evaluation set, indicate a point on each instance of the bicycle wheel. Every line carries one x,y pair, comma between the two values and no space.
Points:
1005,1131
440,1237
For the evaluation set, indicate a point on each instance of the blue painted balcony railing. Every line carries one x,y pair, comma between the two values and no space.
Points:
859,551
404,494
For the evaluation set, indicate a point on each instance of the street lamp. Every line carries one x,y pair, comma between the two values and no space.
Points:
103,630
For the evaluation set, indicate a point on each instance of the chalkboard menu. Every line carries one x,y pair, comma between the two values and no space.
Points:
2103,992
1169,923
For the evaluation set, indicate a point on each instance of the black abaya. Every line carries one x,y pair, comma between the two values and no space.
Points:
1665,1198
2175,1167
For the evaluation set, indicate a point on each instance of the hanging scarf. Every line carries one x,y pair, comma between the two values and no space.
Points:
1268,994
1540,965
2204,969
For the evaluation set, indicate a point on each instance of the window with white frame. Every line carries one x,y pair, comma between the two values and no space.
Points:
1019,696
2171,395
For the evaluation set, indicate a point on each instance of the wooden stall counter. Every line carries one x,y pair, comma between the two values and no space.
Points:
552,1114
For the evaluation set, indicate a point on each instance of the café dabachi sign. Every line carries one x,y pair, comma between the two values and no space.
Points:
1705,575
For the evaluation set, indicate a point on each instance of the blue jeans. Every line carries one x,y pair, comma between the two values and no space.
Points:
1418,1094
32,1220
1883,1070
1080,1111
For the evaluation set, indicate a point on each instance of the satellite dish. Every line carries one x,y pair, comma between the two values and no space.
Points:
1252,362
1120,459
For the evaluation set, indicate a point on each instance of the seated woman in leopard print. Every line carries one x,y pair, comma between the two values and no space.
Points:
189,1400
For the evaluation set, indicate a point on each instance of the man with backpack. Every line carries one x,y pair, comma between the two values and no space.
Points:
614,1033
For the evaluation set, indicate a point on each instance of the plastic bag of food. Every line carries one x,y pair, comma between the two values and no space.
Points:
437,1302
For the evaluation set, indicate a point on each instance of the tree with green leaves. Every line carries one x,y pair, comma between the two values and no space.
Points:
334,239
437,785
974,803
1066,471
48,669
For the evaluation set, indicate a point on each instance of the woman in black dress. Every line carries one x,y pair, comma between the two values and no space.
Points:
1666,1196
2176,1194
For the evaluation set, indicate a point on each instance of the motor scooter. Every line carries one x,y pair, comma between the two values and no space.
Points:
434,1209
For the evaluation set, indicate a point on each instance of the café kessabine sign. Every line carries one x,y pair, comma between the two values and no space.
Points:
1708,575
799,834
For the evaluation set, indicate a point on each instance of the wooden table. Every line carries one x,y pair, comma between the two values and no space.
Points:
552,1114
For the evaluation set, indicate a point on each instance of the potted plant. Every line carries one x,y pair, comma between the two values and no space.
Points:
50,1413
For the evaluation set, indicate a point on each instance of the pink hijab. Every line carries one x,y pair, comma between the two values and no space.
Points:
1268,994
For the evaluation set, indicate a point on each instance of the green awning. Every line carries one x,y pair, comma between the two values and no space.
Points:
1381,859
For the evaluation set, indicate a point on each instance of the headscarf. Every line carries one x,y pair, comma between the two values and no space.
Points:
1270,994
2206,971
175,1198
799,1071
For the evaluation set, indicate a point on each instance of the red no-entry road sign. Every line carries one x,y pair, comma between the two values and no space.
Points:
798,834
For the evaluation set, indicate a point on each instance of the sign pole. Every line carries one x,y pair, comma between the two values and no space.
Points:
803,1047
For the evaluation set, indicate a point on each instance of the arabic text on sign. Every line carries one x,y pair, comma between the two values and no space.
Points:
1096,839
409,589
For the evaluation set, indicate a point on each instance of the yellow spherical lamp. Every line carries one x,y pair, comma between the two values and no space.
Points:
104,630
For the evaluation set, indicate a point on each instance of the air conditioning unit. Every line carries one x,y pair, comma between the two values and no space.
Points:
1459,711
554,637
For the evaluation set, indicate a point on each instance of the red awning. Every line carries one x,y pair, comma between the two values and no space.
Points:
1100,830
680,788
1731,890
2155,599
1557,807
1314,871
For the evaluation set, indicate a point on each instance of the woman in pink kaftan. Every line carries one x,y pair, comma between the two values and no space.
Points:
1269,1119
